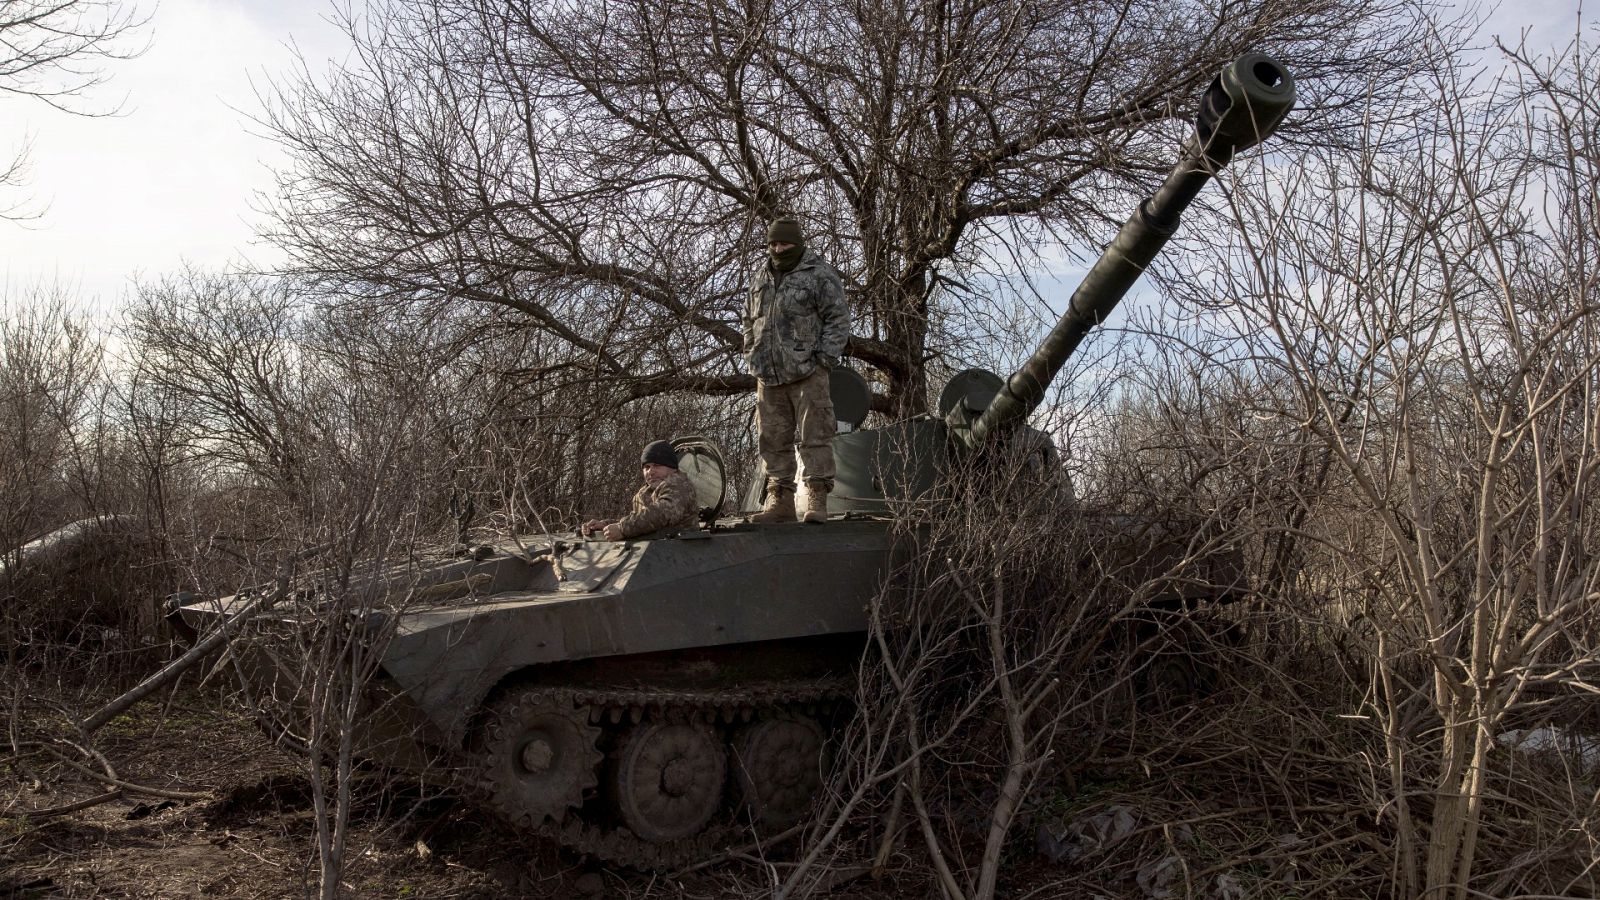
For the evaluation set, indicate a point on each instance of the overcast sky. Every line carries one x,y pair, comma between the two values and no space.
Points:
173,177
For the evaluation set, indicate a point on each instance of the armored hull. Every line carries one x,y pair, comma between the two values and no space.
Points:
567,680
642,701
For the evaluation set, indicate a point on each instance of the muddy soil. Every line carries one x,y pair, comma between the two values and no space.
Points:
253,835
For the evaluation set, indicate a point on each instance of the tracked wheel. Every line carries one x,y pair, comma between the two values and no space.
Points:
539,756
667,779
779,763
651,787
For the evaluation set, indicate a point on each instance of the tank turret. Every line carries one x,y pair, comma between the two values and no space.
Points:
877,466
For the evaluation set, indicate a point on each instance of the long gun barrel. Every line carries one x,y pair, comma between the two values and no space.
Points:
1244,104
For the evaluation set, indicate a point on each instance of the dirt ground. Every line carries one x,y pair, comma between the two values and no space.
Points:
254,834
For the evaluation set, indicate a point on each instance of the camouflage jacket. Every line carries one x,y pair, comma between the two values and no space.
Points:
795,320
669,503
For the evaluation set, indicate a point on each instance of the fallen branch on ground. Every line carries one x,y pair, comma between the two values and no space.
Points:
172,670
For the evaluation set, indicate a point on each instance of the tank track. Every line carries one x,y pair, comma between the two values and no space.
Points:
618,706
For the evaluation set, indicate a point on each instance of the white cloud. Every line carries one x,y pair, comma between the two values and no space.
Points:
172,177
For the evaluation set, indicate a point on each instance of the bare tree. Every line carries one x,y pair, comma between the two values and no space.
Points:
231,376
57,465
603,174
1428,308
51,372
339,427
54,51
233,349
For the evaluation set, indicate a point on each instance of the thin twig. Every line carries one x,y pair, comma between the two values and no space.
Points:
125,785
71,807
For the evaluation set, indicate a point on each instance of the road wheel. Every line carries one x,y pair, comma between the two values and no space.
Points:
667,780
779,764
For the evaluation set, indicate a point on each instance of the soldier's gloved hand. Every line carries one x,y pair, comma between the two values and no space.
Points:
592,526
826,361
613,532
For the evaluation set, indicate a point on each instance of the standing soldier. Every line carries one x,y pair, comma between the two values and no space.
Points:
795,327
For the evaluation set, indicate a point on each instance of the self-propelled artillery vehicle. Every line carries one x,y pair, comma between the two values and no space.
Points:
640,699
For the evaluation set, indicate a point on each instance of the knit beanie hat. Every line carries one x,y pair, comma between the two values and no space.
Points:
660,453
785,230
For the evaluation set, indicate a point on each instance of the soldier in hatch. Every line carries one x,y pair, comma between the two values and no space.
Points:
666,502
796,323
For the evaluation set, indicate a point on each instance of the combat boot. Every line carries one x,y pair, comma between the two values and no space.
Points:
779,506
817,502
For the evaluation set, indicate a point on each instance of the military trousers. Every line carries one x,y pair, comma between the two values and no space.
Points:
797,414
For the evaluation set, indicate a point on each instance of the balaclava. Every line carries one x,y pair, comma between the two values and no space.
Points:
787,231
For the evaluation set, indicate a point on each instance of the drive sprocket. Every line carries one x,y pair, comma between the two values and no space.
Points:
539,755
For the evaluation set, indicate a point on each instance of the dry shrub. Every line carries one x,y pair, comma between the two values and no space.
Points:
80,580
1022,636
1403,374
90,592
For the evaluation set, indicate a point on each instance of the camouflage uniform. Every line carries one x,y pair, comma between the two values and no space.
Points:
795,327
668,504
